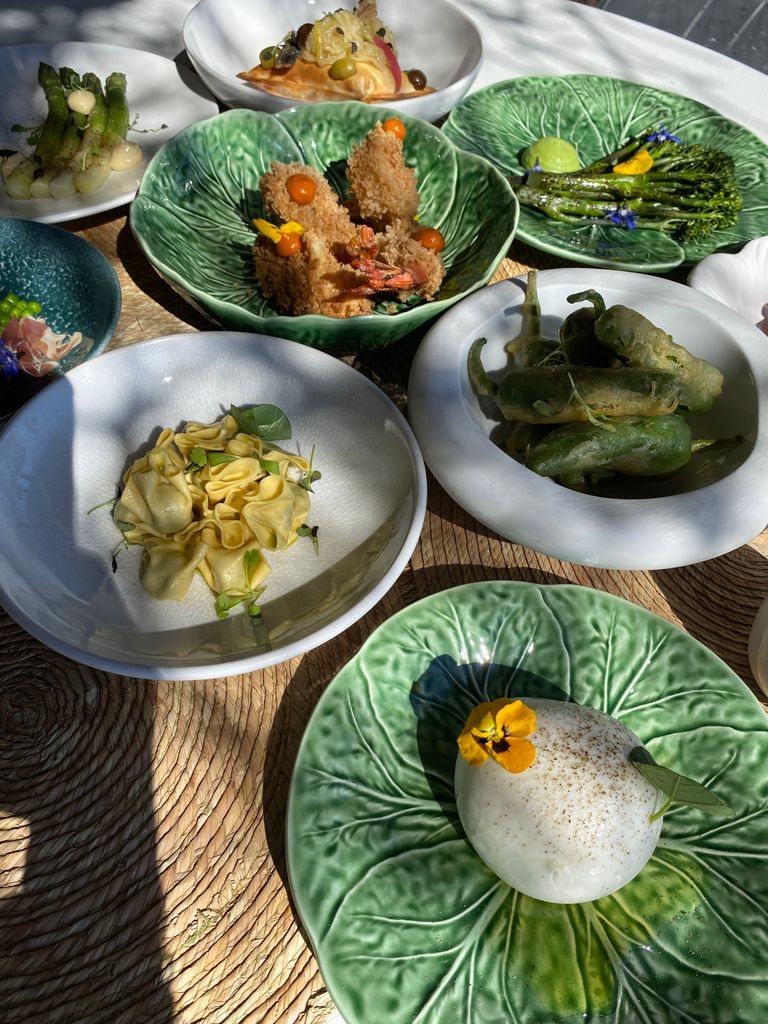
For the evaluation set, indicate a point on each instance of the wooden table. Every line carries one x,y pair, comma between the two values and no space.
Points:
142,853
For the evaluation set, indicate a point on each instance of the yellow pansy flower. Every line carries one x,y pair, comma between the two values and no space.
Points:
638,164
272,231
498,729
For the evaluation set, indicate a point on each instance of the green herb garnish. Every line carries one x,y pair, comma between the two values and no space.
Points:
270,466
217,458
311,532
265,421
677,788
198,459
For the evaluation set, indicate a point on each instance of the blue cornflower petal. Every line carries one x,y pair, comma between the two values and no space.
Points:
9,362
621,216
662,135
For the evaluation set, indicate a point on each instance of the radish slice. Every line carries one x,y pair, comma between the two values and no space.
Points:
394,67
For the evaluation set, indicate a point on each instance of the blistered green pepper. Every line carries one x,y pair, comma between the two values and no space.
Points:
531,346
578,341
636,446
564,394
637,341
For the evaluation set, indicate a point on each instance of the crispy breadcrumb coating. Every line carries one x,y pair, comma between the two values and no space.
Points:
384,189
324,214
312,281
342,264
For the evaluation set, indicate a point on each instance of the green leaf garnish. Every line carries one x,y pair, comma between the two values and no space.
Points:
251,559
198,458
266,421
270,466
225,602
311,532
124,527
678,788
217,458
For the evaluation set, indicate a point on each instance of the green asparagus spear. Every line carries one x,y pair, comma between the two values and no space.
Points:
115,127
52,131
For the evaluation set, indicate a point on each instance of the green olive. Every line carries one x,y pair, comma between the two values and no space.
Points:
417,78
267,57
343,68
302,32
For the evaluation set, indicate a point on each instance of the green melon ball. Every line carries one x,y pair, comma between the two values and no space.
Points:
553,154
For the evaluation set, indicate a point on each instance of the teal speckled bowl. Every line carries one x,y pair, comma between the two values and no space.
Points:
194,209
73,282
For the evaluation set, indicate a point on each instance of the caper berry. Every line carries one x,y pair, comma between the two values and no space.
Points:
343,68
267,57
302,33
417,78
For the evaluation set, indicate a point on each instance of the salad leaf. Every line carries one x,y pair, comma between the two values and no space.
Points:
677,788
266,421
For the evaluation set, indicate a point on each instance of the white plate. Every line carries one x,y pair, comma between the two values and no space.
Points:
738,280
224,37
66,450
162,97
718,502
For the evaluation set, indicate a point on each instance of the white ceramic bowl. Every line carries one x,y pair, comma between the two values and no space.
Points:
738,280
65,453
223,37
718,502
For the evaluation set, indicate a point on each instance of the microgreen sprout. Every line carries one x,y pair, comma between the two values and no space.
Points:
311,532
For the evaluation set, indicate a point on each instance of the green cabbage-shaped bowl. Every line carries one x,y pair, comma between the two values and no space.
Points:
597,114
194,210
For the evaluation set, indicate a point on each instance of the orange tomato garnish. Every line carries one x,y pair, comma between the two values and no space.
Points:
394,125
288,245
301,188
430,238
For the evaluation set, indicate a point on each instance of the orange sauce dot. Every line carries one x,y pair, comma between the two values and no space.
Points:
301,188
289,244
430,238
396,126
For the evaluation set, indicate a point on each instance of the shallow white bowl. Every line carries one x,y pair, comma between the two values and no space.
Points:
718,502
738,280
163,97
65,453
223,37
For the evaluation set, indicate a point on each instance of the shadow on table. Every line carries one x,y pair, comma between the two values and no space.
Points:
81,907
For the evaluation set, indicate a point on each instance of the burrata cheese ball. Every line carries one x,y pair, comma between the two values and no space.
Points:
551,154
576,825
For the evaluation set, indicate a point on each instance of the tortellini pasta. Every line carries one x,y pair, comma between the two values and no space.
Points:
211,499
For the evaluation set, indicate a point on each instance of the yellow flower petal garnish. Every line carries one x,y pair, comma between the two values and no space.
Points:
639,164
273,232
498,729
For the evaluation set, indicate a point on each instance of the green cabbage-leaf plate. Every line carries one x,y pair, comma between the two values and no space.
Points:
408,924
194,210
598,114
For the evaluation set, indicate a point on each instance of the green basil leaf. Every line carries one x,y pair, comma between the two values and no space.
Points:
266,421
678,788
270,466
217,458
